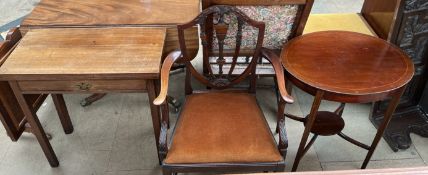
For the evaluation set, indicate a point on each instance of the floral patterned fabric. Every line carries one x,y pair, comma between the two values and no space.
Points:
279,21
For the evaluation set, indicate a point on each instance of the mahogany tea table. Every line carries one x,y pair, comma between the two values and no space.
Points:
83,60
113,13
346,67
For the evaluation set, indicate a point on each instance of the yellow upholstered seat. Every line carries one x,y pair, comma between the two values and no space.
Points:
347,22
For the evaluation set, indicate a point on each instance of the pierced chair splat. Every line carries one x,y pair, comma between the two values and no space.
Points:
284,19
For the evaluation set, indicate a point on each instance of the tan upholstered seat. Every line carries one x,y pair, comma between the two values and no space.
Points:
222,127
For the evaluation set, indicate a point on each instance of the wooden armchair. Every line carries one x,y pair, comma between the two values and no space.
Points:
220,130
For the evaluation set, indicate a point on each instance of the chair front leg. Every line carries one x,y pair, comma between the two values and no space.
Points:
163,137
283,140
163,148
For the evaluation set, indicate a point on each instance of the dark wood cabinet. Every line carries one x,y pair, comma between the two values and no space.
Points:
405,24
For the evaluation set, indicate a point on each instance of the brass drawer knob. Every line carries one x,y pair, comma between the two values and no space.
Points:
84,86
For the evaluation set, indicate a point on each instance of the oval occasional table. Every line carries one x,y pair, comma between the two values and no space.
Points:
346,67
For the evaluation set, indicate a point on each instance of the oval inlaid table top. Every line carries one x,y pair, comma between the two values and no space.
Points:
347,63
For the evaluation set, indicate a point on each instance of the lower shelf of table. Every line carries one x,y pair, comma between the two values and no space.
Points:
327,123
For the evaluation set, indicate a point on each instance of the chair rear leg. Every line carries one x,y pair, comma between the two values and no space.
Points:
167,172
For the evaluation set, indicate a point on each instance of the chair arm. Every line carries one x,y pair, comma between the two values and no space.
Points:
166,67
273,58
279,73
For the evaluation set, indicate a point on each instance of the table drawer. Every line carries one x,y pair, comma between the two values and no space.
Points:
89,86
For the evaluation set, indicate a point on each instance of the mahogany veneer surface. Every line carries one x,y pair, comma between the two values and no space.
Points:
112,12
79,52
361,65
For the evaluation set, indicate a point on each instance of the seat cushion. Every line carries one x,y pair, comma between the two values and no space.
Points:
348,22
222,127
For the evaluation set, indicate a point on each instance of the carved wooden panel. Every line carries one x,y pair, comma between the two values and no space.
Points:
410,33
413,39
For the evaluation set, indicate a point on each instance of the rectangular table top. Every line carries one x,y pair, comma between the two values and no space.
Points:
86,53
111,12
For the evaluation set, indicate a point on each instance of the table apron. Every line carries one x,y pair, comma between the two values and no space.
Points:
82,86
345,98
